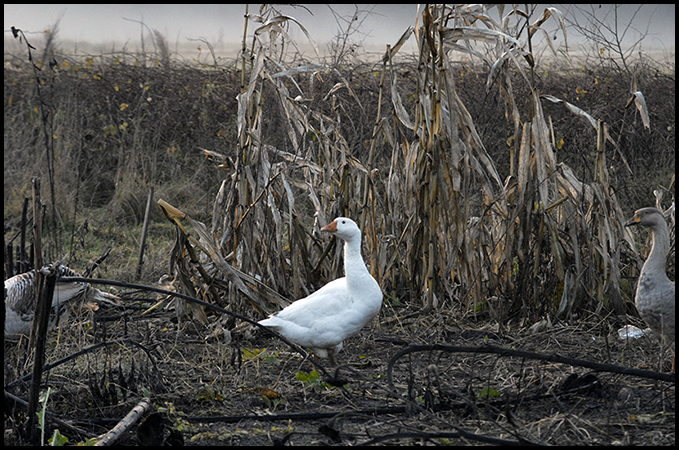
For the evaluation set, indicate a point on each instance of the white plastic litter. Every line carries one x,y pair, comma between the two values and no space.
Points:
632,332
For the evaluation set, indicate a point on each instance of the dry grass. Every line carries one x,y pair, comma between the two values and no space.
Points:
255,390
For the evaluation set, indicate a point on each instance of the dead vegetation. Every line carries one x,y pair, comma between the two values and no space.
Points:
471,221
254,391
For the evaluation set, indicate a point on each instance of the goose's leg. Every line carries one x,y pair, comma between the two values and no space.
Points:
331,356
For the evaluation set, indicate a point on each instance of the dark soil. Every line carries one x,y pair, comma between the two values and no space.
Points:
255,390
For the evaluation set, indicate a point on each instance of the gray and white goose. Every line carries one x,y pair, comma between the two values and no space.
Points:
655,292
21,299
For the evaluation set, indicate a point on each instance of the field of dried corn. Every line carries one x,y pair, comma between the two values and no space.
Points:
491,192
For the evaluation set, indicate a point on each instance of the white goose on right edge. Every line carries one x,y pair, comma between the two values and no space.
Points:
655,292
339,309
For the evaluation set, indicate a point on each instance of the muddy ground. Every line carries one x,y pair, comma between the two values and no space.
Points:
255,390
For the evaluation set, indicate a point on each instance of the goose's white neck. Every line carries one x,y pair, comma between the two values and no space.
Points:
354,267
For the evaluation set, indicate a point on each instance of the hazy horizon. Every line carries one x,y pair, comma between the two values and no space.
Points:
100,29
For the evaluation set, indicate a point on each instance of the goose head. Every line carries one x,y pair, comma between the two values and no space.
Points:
343,228
647,217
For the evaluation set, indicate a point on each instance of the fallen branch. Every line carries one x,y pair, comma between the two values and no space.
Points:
124,425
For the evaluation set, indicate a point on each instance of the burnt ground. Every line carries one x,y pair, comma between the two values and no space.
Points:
255,390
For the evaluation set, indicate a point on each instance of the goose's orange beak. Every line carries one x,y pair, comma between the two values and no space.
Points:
331,227
634,220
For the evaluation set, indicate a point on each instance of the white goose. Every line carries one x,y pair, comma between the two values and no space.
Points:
339,309
21,299
655,292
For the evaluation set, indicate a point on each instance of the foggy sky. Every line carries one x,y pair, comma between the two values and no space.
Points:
104,24
223,24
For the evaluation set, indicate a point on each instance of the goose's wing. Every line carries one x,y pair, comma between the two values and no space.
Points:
21,301
658,310
325,302
22,293
323,319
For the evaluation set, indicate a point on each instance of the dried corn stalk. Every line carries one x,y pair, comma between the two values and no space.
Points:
440,226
